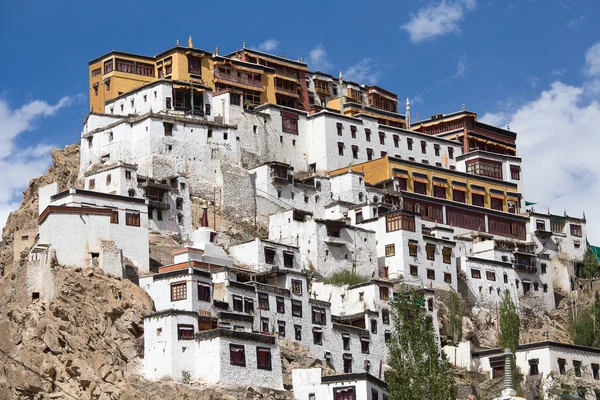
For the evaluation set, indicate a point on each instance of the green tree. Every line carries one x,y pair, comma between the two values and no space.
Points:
509,330
418,368
590,263
585,327
455,314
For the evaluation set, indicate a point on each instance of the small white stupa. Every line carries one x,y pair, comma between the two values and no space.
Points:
508,393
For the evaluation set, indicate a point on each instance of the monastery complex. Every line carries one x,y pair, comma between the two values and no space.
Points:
342,180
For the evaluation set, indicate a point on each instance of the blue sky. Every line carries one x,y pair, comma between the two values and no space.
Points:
521,62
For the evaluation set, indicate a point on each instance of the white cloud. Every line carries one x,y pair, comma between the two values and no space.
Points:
364,71
575,22
533,81
592,61
317,59
558,141
557,73
437,19
269,45
461,67
19,165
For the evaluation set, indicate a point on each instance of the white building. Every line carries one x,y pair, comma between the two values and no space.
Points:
262,255
337,141
91,228
327,246
560,242
536,361
492,266
310,384
175,348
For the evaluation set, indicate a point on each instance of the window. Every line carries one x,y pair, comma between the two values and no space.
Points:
318,336
533,367
185,332
545,288
540,225
179,203
390,250
447,277
439,192
345,393
430,274
490,275
535,286
381,138
577,368
385,316
237,355
281,329
368,134
159,215
132,218
178,291
263,301
576,230
475,273
420,187
209,133
409,143
114,216
263,358
92,184
128,175
373,326
374,394
436,148
595,373
561,366
238,304
515,172
364,345
318,316
168,128
269,255
340,148
414,270
296,286
296,308
446,255
248,305
430,249
477,199
430,305
289,122
354,151
280,305
423,147
264,325
298,332
458,195
496,204
412,249
207,110
353,131
384,293
483,167
203,292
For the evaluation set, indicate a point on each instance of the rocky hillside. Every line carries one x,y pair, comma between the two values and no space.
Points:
64,170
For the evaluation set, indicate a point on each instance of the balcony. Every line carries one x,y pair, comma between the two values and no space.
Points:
155,185
287,73
161,205
287,90
238,79
280,180
335,240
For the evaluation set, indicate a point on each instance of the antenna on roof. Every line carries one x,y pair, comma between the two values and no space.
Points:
244,45
407,114
463,106
507,127
177,42
417,118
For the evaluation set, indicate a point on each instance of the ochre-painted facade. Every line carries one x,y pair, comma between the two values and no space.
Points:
261,77
387,168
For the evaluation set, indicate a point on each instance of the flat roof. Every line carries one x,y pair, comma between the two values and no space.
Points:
539,345
90,193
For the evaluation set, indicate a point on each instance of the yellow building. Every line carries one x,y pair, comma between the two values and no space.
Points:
261,78
439,182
